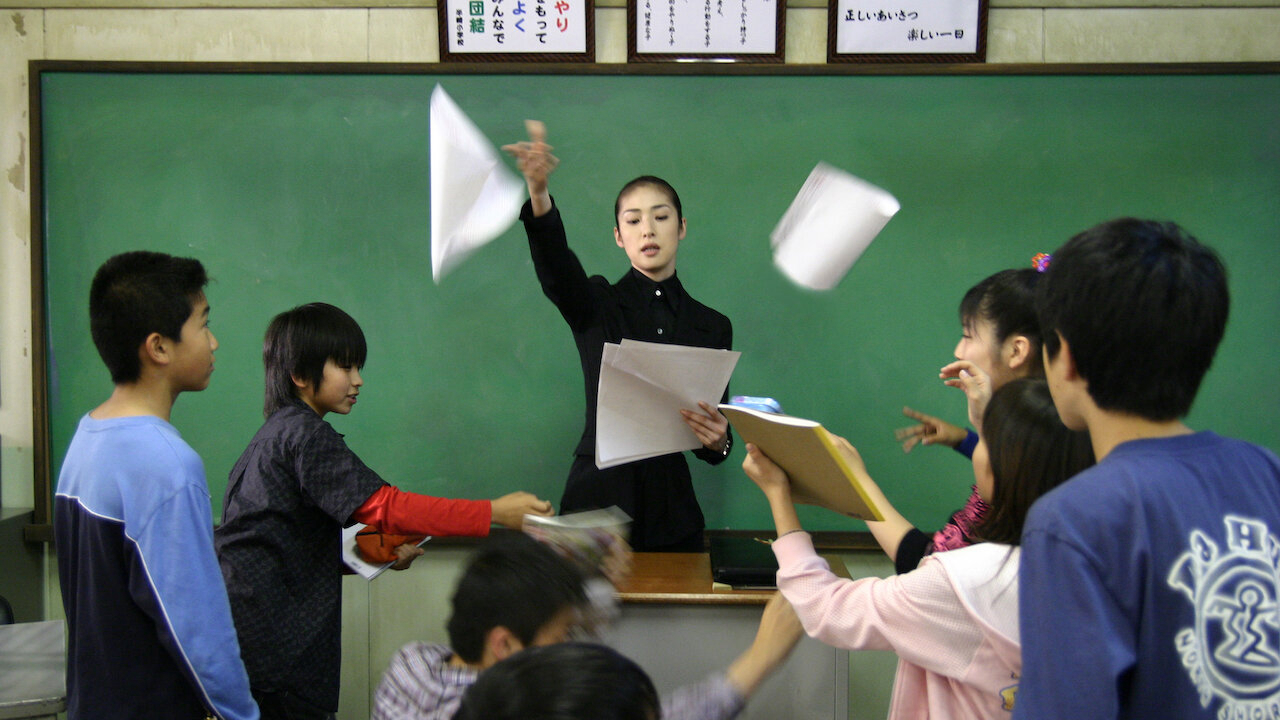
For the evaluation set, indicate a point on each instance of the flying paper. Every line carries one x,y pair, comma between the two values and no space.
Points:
832,220
474,197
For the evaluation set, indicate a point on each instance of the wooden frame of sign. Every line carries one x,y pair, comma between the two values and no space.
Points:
517,30
906,31
750,31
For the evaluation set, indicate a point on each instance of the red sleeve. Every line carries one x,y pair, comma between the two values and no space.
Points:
404,513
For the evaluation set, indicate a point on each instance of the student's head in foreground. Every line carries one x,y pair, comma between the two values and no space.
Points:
149,305
313,353
999,329
515,593
567,681
1025,452
1140,307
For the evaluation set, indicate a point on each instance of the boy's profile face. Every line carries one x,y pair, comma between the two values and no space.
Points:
649,231
192,365
338,389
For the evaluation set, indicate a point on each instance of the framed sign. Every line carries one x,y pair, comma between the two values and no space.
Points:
948,31
710,30
517,30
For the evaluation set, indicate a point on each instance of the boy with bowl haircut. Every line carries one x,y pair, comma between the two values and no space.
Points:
1148,582
149,625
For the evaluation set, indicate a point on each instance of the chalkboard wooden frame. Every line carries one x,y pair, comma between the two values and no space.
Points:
41,528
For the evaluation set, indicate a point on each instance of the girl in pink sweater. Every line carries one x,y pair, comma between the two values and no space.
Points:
953,621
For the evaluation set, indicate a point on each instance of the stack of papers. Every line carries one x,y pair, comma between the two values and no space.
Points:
832,220
474,197
643,388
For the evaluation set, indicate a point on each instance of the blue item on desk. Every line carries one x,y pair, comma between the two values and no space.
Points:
763,404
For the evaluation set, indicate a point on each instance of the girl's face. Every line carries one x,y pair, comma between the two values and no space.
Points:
337,392
978,345
649,232
982,475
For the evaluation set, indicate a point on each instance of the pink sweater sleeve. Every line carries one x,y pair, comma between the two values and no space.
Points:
917,614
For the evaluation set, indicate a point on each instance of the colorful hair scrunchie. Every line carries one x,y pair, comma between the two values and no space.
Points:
1041,261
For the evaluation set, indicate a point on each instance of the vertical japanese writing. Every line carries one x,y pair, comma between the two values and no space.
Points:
671,22
706,24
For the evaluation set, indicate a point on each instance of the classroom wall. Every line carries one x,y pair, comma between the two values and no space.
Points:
1019,31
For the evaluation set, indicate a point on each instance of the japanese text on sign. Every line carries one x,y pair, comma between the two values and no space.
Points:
518,26
894,26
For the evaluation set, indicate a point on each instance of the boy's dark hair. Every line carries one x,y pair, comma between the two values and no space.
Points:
135,294
566,681
300,341
1143,306
651,181
515,582
1008,301
1031,453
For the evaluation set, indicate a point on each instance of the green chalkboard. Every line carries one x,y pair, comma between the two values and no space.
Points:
295,186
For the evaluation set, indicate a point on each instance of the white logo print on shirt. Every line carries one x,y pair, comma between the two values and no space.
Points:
1233,651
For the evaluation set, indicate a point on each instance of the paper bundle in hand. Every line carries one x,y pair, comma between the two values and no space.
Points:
643,388
832,220
474,197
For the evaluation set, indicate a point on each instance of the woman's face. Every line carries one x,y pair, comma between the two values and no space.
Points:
648,231
978,345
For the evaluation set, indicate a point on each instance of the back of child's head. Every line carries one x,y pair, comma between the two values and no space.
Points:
1031,452
654,182
512,581
1007,300
135,294
1143,306
299,342
566,681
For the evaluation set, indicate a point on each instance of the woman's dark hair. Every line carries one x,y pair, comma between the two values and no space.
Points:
650,181
1008,301
299,342
565,681
1031,453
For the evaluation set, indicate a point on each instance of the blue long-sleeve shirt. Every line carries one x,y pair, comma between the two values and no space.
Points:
149,625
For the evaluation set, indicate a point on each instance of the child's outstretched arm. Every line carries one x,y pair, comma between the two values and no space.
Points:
510,509
889,532
775,484
976,385
777,635
929,431
536,163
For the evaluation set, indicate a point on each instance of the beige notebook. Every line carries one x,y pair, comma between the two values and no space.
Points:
804,449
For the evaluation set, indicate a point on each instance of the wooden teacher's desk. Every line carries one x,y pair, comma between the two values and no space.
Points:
680,629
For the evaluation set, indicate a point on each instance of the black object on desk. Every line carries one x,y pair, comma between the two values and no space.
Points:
743,562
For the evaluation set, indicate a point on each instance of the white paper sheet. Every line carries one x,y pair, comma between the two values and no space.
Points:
474,197
830,223
643,388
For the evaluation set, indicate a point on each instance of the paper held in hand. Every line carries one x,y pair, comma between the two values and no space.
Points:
830,223
804,449
474,197
353,559
643,388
